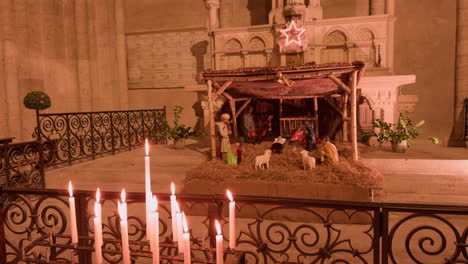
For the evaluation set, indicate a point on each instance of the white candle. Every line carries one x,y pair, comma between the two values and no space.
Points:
147,189
73,228
155,230
186,239
98,240
173,213
124,229
179,231
97,244
232,220
219,244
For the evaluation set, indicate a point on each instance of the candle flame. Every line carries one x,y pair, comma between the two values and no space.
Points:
218,227
98,195
154,204
70,188
184,222
177,208
172,188
146,147
229,195
122,195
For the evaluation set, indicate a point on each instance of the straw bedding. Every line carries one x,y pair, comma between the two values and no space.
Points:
287,168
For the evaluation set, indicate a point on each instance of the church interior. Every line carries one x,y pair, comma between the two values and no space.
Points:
233,131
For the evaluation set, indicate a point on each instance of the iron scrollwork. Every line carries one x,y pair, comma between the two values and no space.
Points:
21,165
71,137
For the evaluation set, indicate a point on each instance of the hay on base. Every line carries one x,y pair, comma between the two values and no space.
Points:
287,167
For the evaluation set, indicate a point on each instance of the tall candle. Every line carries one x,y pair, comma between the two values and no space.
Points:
232,220
219,244
173,213
186,239
98,240
155,230
147,189
124,229
97,244
71,201
179,231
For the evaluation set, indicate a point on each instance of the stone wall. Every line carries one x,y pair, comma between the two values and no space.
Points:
149,15
71,49
425,46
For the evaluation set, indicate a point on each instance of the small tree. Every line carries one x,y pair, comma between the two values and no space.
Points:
178,131
37,100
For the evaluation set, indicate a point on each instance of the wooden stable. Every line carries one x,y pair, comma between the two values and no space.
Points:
331,82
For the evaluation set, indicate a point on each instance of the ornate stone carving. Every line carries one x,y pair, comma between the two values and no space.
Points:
256,44
364,35
335,38
233,45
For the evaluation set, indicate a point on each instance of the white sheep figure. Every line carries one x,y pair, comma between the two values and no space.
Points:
263,160
307,161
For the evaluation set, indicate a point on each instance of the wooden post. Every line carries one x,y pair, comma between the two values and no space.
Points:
345,116
354,148
212,124
282,129
232,105
316,125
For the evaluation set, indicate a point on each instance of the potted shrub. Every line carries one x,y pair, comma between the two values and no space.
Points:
177,132
399,135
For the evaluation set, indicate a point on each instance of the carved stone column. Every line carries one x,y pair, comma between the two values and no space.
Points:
377,7
212,6
82,43
461,79
121,54
245,59
10,60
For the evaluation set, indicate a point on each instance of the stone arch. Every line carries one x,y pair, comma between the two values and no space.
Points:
256,43
364,49
233,45
335,38
335,49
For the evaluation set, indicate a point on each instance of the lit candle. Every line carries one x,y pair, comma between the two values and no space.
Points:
232,220
219,244
147,189
155,230
186,239
179,230
73,228
124,229
173,213
98,241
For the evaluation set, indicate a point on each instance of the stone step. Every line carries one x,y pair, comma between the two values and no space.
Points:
420,166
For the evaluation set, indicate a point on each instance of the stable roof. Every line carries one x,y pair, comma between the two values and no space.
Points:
284,81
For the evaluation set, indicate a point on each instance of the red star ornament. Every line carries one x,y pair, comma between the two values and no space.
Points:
293,34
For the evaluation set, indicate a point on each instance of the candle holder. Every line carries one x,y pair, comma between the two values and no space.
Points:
230,256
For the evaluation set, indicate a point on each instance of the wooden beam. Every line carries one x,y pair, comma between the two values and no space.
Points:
316,121
243,107
340,84
232,105
330,103
212,123
222,89
354,148
345,115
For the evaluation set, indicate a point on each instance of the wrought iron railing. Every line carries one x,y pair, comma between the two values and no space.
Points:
22,165
269,230
87,135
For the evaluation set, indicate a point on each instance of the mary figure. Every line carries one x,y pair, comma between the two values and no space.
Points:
310,137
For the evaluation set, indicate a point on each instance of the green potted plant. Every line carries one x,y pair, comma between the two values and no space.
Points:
177,132
399,135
